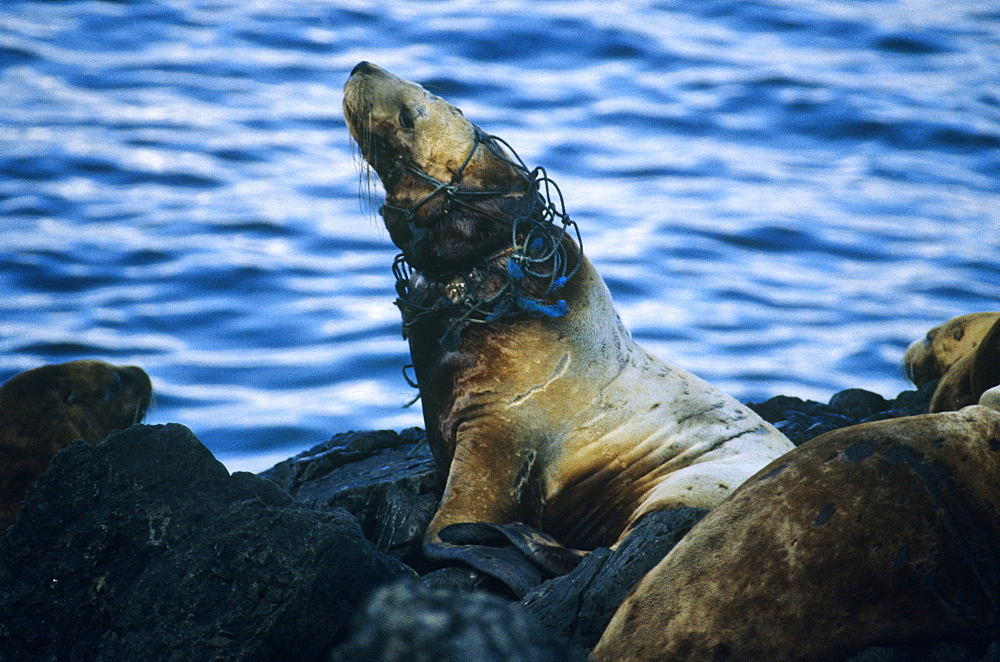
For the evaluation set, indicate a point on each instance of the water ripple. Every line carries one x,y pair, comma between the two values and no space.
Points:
781,195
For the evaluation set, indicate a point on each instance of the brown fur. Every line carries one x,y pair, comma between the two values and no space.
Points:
874,534
43,410
944,345
964,353
562,423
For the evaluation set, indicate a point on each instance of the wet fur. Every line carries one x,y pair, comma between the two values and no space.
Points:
971,375
43,410
561,423
934,354
877,534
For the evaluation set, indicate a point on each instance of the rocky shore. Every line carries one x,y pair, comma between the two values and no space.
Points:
144,547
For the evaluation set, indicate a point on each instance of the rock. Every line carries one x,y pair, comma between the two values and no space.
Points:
579,605
161,554
801,420
409,622
943,651
857,403
377,477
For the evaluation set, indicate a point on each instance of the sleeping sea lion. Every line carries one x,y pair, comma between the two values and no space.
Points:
942,347
539,407
44,409
883,533
970,376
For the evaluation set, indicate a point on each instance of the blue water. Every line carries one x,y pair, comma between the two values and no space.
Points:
781,195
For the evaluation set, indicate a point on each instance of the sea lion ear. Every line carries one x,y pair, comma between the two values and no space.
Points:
985,372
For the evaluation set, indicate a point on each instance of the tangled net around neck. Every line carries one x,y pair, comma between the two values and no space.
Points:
538,263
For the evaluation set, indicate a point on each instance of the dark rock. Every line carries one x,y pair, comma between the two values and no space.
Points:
911,403
579,605
777,409
456,577
409,622
801,420
342,449
857,403
161,554
941,651
377,477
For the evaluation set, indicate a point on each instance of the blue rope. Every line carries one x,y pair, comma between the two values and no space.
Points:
537,253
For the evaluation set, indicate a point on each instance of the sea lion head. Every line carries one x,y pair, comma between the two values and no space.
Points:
76,400
43,410
449,186
971,376
933,355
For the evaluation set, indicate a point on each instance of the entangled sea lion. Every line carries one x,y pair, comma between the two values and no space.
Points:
539,407
44,409
879,534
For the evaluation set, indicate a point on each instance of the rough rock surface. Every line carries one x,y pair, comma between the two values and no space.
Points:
388,481
410,622
801,420
578,606
144,547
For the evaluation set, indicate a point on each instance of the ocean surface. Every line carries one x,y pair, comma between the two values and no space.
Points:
781,195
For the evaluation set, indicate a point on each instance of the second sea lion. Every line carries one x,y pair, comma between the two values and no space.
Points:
43,409
933,355
879,534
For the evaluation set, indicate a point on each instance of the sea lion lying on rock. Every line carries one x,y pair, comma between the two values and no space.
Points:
44,409
931,356
877,534
964,353
539,407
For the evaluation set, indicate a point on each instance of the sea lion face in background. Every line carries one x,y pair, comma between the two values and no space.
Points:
942,347
970,376
874,534
551,415
43,410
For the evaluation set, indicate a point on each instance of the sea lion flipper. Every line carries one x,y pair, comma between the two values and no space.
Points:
506,564
541,549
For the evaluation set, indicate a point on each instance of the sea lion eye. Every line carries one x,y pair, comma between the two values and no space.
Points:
406,119
959,333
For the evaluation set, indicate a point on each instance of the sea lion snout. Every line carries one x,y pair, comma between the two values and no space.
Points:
131,388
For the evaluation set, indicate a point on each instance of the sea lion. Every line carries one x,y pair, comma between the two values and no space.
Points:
931,356
882,533
970,376
44,409
539,407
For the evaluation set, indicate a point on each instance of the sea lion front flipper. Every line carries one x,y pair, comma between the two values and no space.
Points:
505,564
516,554
540,548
